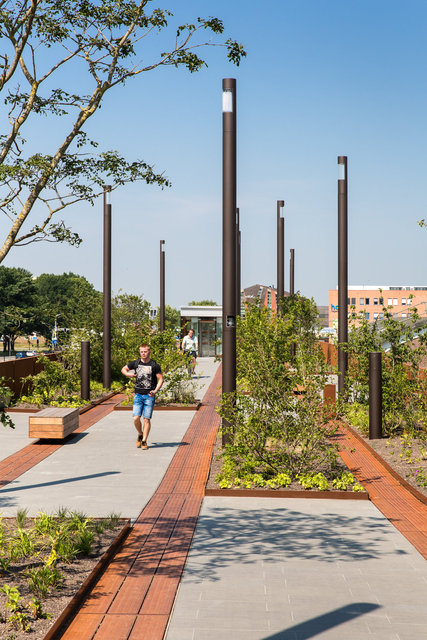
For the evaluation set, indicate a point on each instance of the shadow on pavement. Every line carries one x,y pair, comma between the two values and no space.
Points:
242,536
53,482
314,626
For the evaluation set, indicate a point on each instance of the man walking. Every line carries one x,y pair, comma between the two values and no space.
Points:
148,381
190,347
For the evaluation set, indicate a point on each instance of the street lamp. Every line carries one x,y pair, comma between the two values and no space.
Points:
342,271
238,263
162,287
280,255
228,239
292,272
107,290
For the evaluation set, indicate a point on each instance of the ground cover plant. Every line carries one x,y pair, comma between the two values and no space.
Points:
403,345
58,384
275,424
43,561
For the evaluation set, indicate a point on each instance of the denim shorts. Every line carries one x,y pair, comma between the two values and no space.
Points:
143,405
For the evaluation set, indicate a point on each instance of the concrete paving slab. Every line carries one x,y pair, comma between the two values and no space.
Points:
99,471
305,554
12,440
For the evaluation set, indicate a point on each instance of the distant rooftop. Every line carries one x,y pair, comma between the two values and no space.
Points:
386,287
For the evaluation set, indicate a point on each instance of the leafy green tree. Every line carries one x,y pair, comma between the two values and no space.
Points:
71,300
202,303
17,302
172,317
403,344
45,43
273,429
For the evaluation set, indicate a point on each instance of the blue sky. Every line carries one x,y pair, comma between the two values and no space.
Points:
322,78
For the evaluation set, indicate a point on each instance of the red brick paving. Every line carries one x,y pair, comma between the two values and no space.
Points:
18,463
140,584
134,597
404,510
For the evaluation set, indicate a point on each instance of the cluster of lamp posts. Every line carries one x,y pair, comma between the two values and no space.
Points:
231,276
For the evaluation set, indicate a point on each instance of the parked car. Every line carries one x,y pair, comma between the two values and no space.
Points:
25,354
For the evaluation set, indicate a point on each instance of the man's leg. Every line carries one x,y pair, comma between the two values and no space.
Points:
147,427
137,411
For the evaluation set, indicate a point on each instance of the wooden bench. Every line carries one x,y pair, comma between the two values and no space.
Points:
55,422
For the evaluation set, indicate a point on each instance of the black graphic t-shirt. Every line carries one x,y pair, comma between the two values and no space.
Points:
146,375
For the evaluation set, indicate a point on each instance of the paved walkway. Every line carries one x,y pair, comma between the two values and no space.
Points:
258,569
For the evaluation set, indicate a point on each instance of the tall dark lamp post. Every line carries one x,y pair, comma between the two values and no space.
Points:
280,254
292,272
228,238
107,291
162,286
238,263
342,271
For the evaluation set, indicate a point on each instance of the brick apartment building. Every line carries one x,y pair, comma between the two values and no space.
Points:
371,300
266,296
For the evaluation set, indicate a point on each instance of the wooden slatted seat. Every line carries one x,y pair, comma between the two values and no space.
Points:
55,422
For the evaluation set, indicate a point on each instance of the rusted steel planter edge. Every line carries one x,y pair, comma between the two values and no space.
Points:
284,493
70,610
417,494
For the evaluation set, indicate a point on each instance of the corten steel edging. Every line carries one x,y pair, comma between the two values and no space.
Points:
342,274
287,493
62,621
420,496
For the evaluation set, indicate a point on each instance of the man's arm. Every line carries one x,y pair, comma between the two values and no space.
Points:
159,384
129,373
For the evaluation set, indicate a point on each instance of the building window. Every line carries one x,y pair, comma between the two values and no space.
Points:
409,300
366,300
403,301
404,315
362,301
375,300
390,302
375,316
394,300
353,302
381,316
366,315
381,301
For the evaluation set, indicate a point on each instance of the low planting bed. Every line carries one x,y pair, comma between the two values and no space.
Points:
318,484
46,565
405,455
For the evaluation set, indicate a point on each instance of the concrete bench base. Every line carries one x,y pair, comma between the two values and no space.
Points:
55,422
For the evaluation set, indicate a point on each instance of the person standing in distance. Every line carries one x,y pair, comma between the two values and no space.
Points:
148,381
190,347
